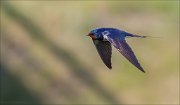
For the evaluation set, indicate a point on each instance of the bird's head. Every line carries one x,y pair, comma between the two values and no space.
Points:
95,34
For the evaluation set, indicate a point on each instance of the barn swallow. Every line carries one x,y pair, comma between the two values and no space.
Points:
104,37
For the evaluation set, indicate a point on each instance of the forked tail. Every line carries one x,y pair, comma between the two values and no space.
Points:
131,35
139,36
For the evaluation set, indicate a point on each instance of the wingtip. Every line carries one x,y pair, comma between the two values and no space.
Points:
110,68
142,70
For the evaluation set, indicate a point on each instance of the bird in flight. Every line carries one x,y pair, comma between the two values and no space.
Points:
103,38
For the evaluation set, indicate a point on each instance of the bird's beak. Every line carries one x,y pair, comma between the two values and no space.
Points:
89,34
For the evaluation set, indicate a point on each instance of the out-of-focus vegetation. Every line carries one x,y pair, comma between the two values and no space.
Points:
47,59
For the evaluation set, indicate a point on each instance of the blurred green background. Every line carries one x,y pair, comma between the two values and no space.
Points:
47,59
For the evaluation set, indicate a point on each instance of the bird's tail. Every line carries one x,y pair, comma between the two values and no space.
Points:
132,35
145,36
139,36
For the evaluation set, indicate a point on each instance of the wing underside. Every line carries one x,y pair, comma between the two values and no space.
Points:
105,51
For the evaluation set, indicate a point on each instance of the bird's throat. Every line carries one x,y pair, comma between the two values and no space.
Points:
92,36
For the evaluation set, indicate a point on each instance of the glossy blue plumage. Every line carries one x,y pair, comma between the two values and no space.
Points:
104,37
114,33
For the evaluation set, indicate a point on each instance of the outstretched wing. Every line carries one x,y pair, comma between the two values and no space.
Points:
105,51
125,50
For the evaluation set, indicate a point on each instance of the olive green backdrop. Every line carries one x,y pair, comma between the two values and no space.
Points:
47,59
